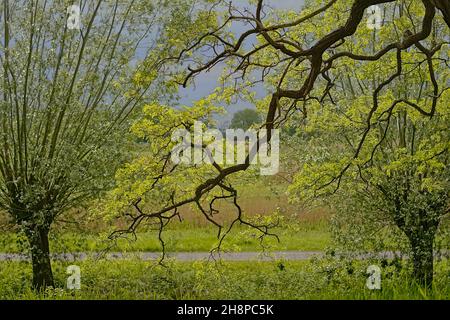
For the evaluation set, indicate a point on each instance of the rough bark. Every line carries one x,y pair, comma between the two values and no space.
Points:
421,241
40,257
444,7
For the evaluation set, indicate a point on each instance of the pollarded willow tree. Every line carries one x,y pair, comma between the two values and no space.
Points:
400,179
70,78
299,56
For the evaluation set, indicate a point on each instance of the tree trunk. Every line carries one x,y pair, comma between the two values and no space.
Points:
422,257
40,257
444,7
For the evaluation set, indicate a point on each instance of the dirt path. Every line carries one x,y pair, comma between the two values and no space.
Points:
181,256
194,256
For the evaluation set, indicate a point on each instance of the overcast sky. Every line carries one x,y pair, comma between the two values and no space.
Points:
206,82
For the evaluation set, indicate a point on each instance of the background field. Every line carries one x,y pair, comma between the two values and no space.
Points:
298,229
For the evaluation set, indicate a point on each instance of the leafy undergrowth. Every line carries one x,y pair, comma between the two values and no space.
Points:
132,279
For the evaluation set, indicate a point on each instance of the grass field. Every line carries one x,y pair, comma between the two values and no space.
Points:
180,240
298,230
232,280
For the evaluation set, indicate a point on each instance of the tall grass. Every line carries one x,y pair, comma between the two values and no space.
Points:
232,280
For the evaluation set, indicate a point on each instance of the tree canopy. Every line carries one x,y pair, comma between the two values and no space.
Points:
345,79
244,119
70,78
